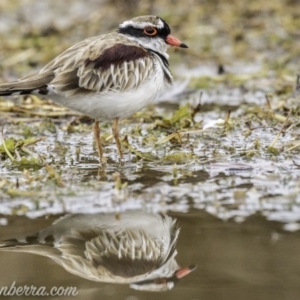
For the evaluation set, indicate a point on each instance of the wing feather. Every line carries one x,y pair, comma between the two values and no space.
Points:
101,64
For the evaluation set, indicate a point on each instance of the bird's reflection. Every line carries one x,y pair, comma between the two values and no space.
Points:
134,248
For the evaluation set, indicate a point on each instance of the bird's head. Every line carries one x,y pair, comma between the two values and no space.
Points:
151,32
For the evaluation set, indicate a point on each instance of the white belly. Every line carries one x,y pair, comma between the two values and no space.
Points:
113,104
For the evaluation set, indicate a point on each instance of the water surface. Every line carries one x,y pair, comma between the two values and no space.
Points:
252,260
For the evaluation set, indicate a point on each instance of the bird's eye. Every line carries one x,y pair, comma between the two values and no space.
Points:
149,30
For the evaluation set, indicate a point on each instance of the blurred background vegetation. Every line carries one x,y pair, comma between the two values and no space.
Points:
223,34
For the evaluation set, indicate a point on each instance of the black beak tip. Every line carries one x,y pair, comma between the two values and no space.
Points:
192,267
182,45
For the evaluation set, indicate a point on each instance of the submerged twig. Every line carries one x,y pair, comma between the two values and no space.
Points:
268,102
177,134
297,88
293,147
280,131
227,118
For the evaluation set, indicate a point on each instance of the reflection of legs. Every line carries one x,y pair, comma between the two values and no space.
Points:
115,130
97,138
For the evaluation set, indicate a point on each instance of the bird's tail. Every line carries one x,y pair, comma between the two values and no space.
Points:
36,83
30,245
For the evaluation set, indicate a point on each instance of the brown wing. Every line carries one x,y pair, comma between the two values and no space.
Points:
114,63
110,62
122,253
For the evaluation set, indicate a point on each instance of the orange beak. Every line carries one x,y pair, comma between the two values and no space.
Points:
173,41
184,271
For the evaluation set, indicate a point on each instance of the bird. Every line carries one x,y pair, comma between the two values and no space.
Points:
107,77
134,247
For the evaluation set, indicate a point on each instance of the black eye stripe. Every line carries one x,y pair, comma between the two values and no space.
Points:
139,32
130,30
166,29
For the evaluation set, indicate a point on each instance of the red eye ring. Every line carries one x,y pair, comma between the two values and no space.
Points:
149,30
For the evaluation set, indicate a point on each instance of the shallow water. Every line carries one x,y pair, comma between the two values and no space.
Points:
252,260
